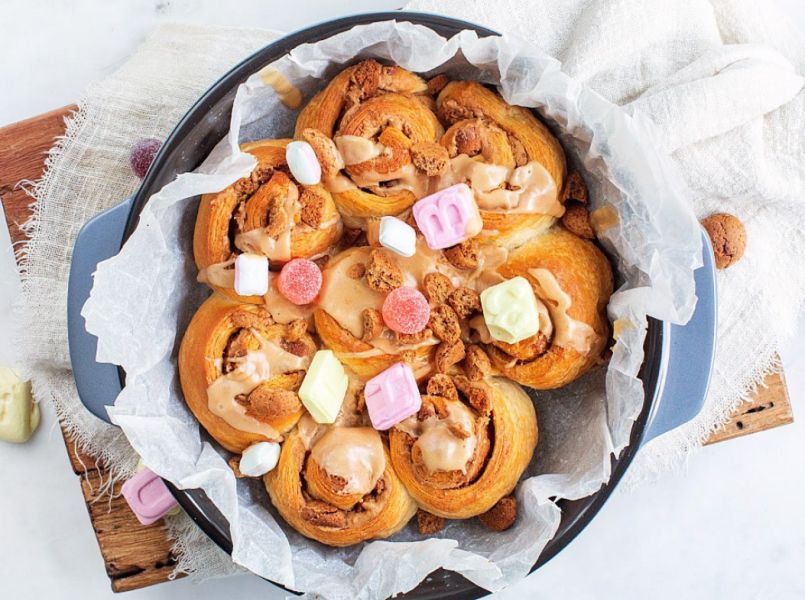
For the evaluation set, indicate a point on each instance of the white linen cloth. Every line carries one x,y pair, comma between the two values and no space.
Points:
719,78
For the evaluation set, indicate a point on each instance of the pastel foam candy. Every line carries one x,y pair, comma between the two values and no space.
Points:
405,310
141,467
398,236
300,281
19,414
148,497
392,396
260,458
324,386
251,275
303,163
510,310
448,217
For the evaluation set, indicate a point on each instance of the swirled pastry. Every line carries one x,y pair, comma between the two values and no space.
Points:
498,283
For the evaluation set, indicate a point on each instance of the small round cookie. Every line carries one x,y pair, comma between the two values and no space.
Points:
728,237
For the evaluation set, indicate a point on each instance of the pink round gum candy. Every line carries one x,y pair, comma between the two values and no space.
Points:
300,281
142,155
405,310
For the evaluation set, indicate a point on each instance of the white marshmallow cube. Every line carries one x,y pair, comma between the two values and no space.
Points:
260,458
303,163
251,275
398,236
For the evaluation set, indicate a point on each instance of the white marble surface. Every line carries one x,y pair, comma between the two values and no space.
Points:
729,525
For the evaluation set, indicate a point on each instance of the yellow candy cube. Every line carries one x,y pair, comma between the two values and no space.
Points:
19,414
324,386
510,310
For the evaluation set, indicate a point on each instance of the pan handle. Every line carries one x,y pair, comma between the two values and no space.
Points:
98,384
690,349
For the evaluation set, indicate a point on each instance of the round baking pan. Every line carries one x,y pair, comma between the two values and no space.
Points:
675,372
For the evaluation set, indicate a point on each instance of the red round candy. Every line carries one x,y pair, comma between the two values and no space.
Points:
300,281
142,155
406,310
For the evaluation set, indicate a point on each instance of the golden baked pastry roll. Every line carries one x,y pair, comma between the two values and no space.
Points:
336,485
267,213
513,163
240,372
467,446
375,133
572,281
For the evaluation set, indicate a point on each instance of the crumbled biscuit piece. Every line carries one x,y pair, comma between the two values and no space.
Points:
246,186
322,261
437,406
367,76
324,514
477,363
379,486
372,324
463,255
444,323
312,212
577,220
430,158
428,523
326,151
441,385
295,330
357,271
360,401
575,189
527,349
464,301
436,84
728,237
297,347
457,431
234,464
408,356
501,516
437,287
245,320
278,219
408,339
477,393
467,140
425,411
451,111
447,355
383,274
518,150
267,402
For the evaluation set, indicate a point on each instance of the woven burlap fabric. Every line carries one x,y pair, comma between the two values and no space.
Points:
87,172
719,78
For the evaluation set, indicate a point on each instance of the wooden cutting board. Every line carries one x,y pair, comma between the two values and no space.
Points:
137,556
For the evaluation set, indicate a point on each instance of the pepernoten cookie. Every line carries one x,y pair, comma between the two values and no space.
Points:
728,237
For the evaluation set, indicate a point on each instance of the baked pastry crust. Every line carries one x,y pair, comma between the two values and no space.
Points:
384,138
289,219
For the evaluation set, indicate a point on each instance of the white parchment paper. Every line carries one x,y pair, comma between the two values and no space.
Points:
144,297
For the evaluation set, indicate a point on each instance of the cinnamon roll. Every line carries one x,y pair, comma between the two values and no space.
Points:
267,213
240,372
467,446
336,485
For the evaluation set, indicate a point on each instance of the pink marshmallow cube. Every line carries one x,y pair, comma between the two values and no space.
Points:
392,396
148,496
448,217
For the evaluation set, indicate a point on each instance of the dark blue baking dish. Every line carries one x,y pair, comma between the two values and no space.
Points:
675,373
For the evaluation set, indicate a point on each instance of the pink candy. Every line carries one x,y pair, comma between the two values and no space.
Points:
448,217
300,281
405,310
392,396
148,496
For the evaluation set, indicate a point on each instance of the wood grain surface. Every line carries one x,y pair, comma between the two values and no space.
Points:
137,556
